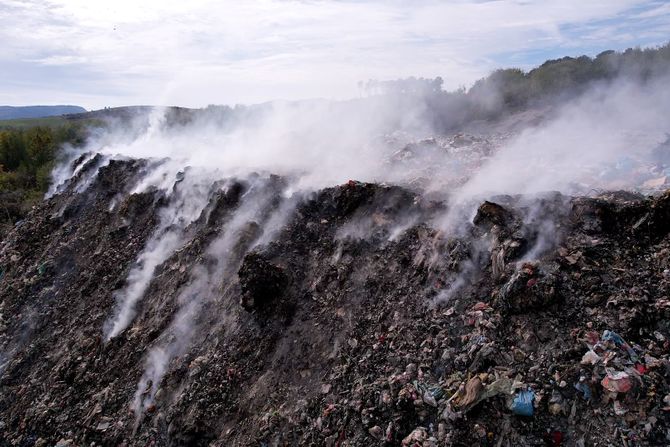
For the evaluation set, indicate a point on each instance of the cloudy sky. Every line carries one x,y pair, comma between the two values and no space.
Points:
199,52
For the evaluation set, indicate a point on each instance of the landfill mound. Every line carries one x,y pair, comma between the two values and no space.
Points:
342,318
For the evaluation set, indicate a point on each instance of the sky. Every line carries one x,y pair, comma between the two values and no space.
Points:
198,52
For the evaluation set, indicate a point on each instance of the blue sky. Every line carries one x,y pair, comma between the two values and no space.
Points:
201,52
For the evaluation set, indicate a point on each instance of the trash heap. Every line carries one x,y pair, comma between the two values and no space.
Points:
544,321
450,158
449,161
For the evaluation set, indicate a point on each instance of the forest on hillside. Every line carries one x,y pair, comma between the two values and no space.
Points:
27,157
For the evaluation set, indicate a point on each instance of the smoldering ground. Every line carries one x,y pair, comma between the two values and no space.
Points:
603,139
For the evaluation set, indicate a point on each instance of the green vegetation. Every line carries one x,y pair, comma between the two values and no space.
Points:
512,89
27,156
26,123
571,76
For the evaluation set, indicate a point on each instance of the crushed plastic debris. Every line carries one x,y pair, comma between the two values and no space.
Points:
617,382
522,405
584,388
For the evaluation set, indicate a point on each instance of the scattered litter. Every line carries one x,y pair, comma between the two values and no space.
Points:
617,382
522,405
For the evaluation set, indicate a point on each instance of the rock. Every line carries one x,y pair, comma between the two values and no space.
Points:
490,213
262,282
376,432
418,435
104,424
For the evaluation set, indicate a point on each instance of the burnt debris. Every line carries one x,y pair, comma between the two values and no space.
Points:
320,323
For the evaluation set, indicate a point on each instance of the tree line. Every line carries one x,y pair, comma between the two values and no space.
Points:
27,157
511,89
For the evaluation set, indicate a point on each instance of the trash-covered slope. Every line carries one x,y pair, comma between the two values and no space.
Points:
229,312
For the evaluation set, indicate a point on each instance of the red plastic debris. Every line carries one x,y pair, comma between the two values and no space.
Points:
481,306
592,337
618,382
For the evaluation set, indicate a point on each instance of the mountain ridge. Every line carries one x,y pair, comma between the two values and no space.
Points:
38,111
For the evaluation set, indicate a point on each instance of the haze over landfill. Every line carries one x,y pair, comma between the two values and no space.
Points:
279,223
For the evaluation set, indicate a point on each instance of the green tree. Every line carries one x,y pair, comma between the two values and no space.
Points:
40,146
12,150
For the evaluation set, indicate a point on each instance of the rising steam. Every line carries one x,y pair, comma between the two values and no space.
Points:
208,283
604,139
187,198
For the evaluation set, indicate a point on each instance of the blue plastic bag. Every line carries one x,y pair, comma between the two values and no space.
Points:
614,337
621,343
523,403
585,390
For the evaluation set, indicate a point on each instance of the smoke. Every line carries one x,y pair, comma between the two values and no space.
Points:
187,199
209,282
603,139
28,319
4,360
320,143
75,166
278,218
468,271
606,138
541,224
65,170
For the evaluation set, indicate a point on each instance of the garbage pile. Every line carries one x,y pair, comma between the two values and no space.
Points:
454,157
446,162
348,319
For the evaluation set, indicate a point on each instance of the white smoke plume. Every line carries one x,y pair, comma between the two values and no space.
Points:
468,271
15,344
321,143
65,170
602,139
187,198
88,179
208,283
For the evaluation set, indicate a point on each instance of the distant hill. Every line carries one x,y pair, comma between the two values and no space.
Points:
9,112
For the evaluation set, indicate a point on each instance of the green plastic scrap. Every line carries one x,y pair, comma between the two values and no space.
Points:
42,268
436,391
502,386
430,394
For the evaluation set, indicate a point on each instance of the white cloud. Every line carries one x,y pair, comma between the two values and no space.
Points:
199,52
